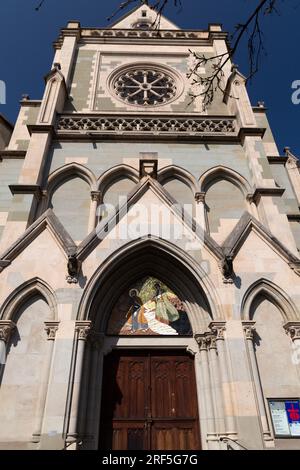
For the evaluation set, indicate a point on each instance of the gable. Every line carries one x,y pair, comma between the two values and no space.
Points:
140,14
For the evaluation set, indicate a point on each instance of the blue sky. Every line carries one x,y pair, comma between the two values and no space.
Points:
26,52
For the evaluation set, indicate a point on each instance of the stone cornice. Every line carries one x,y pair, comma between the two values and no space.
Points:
250,132
267,192
40,128
13,154
125,36
277,160
26,189
167,126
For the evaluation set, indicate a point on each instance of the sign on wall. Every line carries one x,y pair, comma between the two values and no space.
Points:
285,417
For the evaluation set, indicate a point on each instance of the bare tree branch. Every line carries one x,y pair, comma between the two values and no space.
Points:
213,81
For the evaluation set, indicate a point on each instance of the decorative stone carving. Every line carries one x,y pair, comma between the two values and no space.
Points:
218,328
83,329
148,168
147,86
141,34
6,328
200,197
150,124
227,267
249,330
212,341
202,342
51,328
293,330
73,269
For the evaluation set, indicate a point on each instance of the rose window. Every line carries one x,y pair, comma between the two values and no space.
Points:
145,87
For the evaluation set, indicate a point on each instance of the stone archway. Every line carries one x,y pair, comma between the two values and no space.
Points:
145,259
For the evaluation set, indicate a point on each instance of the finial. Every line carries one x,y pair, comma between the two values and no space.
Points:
261,104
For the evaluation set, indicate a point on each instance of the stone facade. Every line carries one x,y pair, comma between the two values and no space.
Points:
233,257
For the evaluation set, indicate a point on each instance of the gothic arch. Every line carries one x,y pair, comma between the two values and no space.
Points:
23,293
272,293
157,258
176,172
221,172
67,172
114,174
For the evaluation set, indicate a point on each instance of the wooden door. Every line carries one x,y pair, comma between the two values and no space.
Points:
149,402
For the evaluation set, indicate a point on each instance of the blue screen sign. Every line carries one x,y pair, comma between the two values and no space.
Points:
285,417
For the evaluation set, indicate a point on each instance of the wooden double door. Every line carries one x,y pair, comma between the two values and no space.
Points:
149,402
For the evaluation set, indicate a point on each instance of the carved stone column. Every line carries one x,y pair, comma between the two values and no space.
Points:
82,329
96,198
200,210
51,328
94,389
6,329
216,383
249,330
218,329
203,342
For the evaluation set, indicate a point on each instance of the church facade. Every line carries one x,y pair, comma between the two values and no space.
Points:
149,254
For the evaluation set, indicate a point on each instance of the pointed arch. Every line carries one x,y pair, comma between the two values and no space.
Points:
173,171
161,259
220,172
273,293
114,174
67,172
24,292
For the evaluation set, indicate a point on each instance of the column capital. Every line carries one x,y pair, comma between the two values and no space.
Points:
96,196
200,197
51,328
212,341
6,328
83,329
202,342
292,328
249,329
218,328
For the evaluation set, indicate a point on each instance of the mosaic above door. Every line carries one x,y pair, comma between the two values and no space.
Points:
149,307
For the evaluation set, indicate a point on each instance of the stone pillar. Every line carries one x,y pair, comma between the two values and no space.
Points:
82,329
200,215
96,198
51,328
206,387
249,331
6,329
218,329
94,390
216,384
